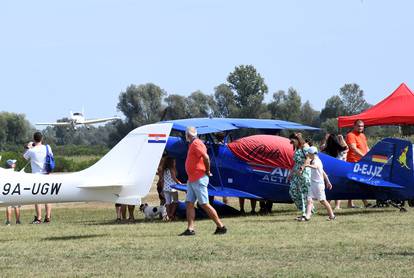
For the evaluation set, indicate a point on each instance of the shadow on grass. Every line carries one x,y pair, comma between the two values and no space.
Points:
344,212
73,237
126,222
263,220
402,253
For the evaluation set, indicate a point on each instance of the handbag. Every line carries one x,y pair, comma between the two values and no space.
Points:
50,161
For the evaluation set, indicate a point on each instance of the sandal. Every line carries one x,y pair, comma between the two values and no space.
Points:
304,218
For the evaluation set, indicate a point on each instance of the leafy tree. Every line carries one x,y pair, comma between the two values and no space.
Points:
249,89
276,107
293,105
286,106
308,115
141,104
63,135
200,105
121,129
15,129
176,107
225,100
352,97
3,130
334,107
330,125
91,136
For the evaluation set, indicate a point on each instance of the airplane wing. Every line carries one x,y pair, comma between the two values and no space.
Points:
221,191
95,121
56,124
211,125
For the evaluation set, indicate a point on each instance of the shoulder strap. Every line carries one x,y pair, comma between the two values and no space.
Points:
47,150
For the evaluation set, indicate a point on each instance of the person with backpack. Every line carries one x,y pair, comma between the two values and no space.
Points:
41,161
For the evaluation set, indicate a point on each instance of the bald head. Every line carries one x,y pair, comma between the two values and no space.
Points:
190,133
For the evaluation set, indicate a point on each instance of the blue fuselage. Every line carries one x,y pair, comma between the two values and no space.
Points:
272,183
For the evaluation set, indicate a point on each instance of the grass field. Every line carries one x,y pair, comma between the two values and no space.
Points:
83,240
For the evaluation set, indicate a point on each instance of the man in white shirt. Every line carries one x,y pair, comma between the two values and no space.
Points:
36,153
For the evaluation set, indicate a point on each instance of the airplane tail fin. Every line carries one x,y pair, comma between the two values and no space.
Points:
389,163
131,165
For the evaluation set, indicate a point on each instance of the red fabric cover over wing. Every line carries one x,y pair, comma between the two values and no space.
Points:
266,150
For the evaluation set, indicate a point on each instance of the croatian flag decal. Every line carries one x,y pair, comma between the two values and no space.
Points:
157,138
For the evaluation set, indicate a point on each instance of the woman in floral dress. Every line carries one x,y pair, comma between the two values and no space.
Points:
300,176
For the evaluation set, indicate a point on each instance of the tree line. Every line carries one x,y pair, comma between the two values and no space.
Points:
242,95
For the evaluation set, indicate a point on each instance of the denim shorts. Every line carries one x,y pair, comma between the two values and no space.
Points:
198,191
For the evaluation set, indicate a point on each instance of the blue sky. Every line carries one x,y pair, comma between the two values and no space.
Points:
57,56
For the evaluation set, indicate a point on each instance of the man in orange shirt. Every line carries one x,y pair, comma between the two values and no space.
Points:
197,166
358,147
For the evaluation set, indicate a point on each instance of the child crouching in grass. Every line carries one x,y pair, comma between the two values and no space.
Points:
317,189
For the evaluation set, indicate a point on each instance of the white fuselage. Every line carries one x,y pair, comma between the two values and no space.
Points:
124,175
78,119
23,188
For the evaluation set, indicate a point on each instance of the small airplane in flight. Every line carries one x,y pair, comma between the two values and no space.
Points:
77,118
258,166
124,175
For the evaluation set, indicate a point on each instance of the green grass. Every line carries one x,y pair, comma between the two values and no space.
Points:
85,241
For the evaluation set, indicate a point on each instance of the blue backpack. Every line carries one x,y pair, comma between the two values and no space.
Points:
50,161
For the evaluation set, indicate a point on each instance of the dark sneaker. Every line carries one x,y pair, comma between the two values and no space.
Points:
47,220
36,221
18,222
220,230
7,223
188,233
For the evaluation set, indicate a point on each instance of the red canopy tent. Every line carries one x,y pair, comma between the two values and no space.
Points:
396,109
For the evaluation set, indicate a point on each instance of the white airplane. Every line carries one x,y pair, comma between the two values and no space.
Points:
77,118
124,175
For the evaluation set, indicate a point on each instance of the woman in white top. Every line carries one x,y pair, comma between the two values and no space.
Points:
169,175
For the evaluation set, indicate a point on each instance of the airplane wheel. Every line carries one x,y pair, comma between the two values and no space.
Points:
411,203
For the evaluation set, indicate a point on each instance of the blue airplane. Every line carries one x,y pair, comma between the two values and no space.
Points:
384,174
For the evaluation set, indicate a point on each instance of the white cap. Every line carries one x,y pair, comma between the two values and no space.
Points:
313,150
